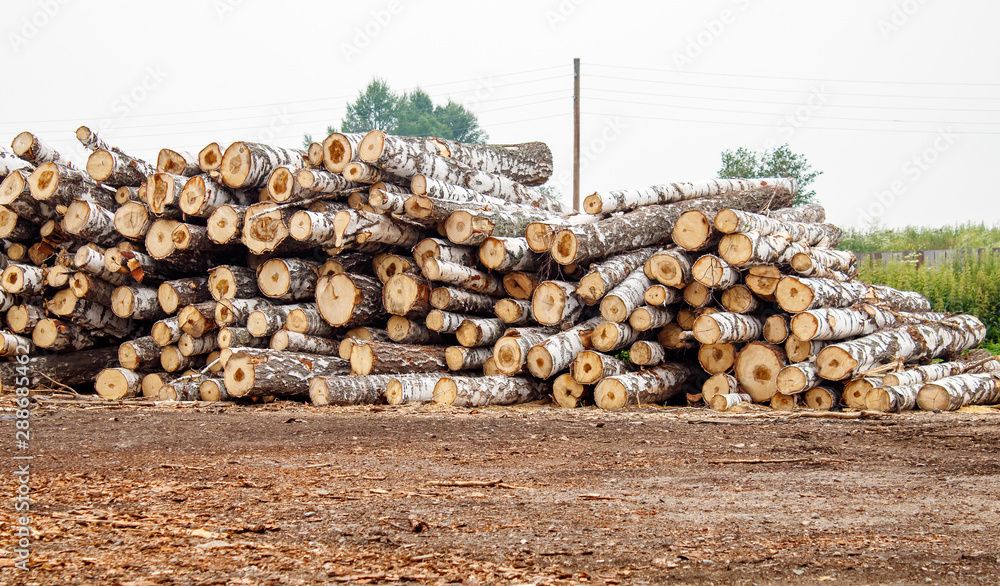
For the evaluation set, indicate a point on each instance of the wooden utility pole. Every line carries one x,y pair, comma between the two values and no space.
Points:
576,134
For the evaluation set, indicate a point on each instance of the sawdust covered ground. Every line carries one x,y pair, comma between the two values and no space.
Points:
289,494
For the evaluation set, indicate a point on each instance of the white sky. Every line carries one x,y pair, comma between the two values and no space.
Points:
860,87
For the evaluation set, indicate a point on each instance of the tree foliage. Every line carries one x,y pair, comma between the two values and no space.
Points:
409,114
778,162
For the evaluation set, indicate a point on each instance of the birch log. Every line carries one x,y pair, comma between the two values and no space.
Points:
462,301
655,385
608,274
249,164
509,254
407,331
262,372
612,336
798,378
350,300
647,354
464,277
557,352
937,371
511,351
386,358
630,199
892,399
954,392
32,149
460,358
725,327
412,388
487,390
757,367
589,367
555,302
347,390
480,331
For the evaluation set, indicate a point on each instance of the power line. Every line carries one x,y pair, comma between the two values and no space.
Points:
754,89
773,114
785,78
839,129
799,103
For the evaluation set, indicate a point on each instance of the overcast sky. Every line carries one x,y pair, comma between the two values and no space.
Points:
897,102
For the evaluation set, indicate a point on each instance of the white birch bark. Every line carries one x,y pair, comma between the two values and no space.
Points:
460,358
714,272
937,371
654,385
748,248
540,235
23,279
462,276
444,322
719,384
671,267
728,401
202,195
32,149
480,331
650,317
841,265
557,352
339,149
843,323
248,164
136,302
611,336
515,312
443,250
511,351
589,367
113,384
505,254
345,390
487,390
727,328
808,233
626,297
659,295
905,344
892,399
556,302
14,345
630,199
798,378
605,275
954,392
885,296
462,301
528,163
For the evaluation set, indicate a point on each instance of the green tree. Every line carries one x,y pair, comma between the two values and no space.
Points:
777,162
411,114
376,107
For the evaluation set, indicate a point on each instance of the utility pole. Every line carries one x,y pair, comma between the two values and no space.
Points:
576,134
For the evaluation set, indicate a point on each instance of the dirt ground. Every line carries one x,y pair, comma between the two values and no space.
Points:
291,494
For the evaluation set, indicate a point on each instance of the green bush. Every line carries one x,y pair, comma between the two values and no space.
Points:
959,236
968,285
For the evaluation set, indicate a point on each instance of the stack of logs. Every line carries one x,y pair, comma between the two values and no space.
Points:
377,268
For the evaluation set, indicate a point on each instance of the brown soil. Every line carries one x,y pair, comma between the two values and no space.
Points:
289,494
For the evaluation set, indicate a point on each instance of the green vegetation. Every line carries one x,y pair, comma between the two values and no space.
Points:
960,236
777,162
968,285
408,114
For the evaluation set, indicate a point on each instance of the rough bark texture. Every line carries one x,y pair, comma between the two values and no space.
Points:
462,301
412,388
795,294
798,378
288,279
954,392
843,323
630,199
462,276
604,276
480,331
347,390
248,164
808,233
529,163
557,352
937,371
509,254
725,327
654,385
262,372
296,342
71,369
461,358
753,248
906,344
383,358
612,336
618,233
511,351
487,390
891,399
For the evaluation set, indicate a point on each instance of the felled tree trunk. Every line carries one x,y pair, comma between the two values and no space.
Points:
202,196
840,265
481,331
763,280
648,318
92,223
443,250
139,354
23,279
407,295
472,228
630,199
288,279
136,302
727,402
520,286
346,300
71,369
198,319
99,319
347,390
618,233
166,331
801,350
61,336
116,169
568,393
529,163
725,327
16,228
406,331
225,224
555,302
339,149
589,367
714,272
177,163
32,149
248,165
296,342
460,358
22,318
187,291
509,254
906,344
655,385
557,352
892,399
606,275
809,233
541,235
937,371
114,384
752,248
757,367
954,392
14,345
237,337
511,351
514,312
462,276
796,294
385,358
646,353
461,301
719,384
236,312
740,299
612,336
258,373
626,297
133,220
189,345
460,391
670,267
798,378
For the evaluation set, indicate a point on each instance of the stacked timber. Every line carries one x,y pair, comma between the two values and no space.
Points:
372,267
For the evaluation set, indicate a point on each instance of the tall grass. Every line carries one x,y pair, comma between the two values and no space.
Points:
968,285
877,239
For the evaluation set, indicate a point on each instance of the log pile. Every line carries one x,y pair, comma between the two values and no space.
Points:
376,268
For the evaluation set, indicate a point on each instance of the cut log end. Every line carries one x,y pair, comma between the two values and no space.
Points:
445,391
210,157
592,204
791,380
564,247
568,393
692,230
757,368
793,295
123,302
239,375
371,147
539,362
100,165
114,384
235,166
726,221
707,330
548,302
507,355
610,394
835,363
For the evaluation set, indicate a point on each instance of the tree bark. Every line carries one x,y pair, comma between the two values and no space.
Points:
237,337
197,319
442,250
16,228
462,391
618,233
954,392
646,353
92,223
556,302
590,366
674,337
654,385
22,318
462,276
389,265
296,342
480,331
520,286
514,312
557,352
461,301
136,302
262,372
116,169
511,352
346,300
23,279
798,378
509,254
114,384
167,331
406,331
460,358
189,345
288,279
608,274
892,399
541,235
411,388
937,371
57,186
797,294
647,318
850,322
757,367
725,327
61,336
236,312
344,390
70,369
99,319
248,165
444,322
808,233
188,291
202,196
14,345
385,358
630,199
727,402
473,227
139,354
32,149
528,163
753,248
906,344
407,295
612,336
265,321
360,172
714,272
